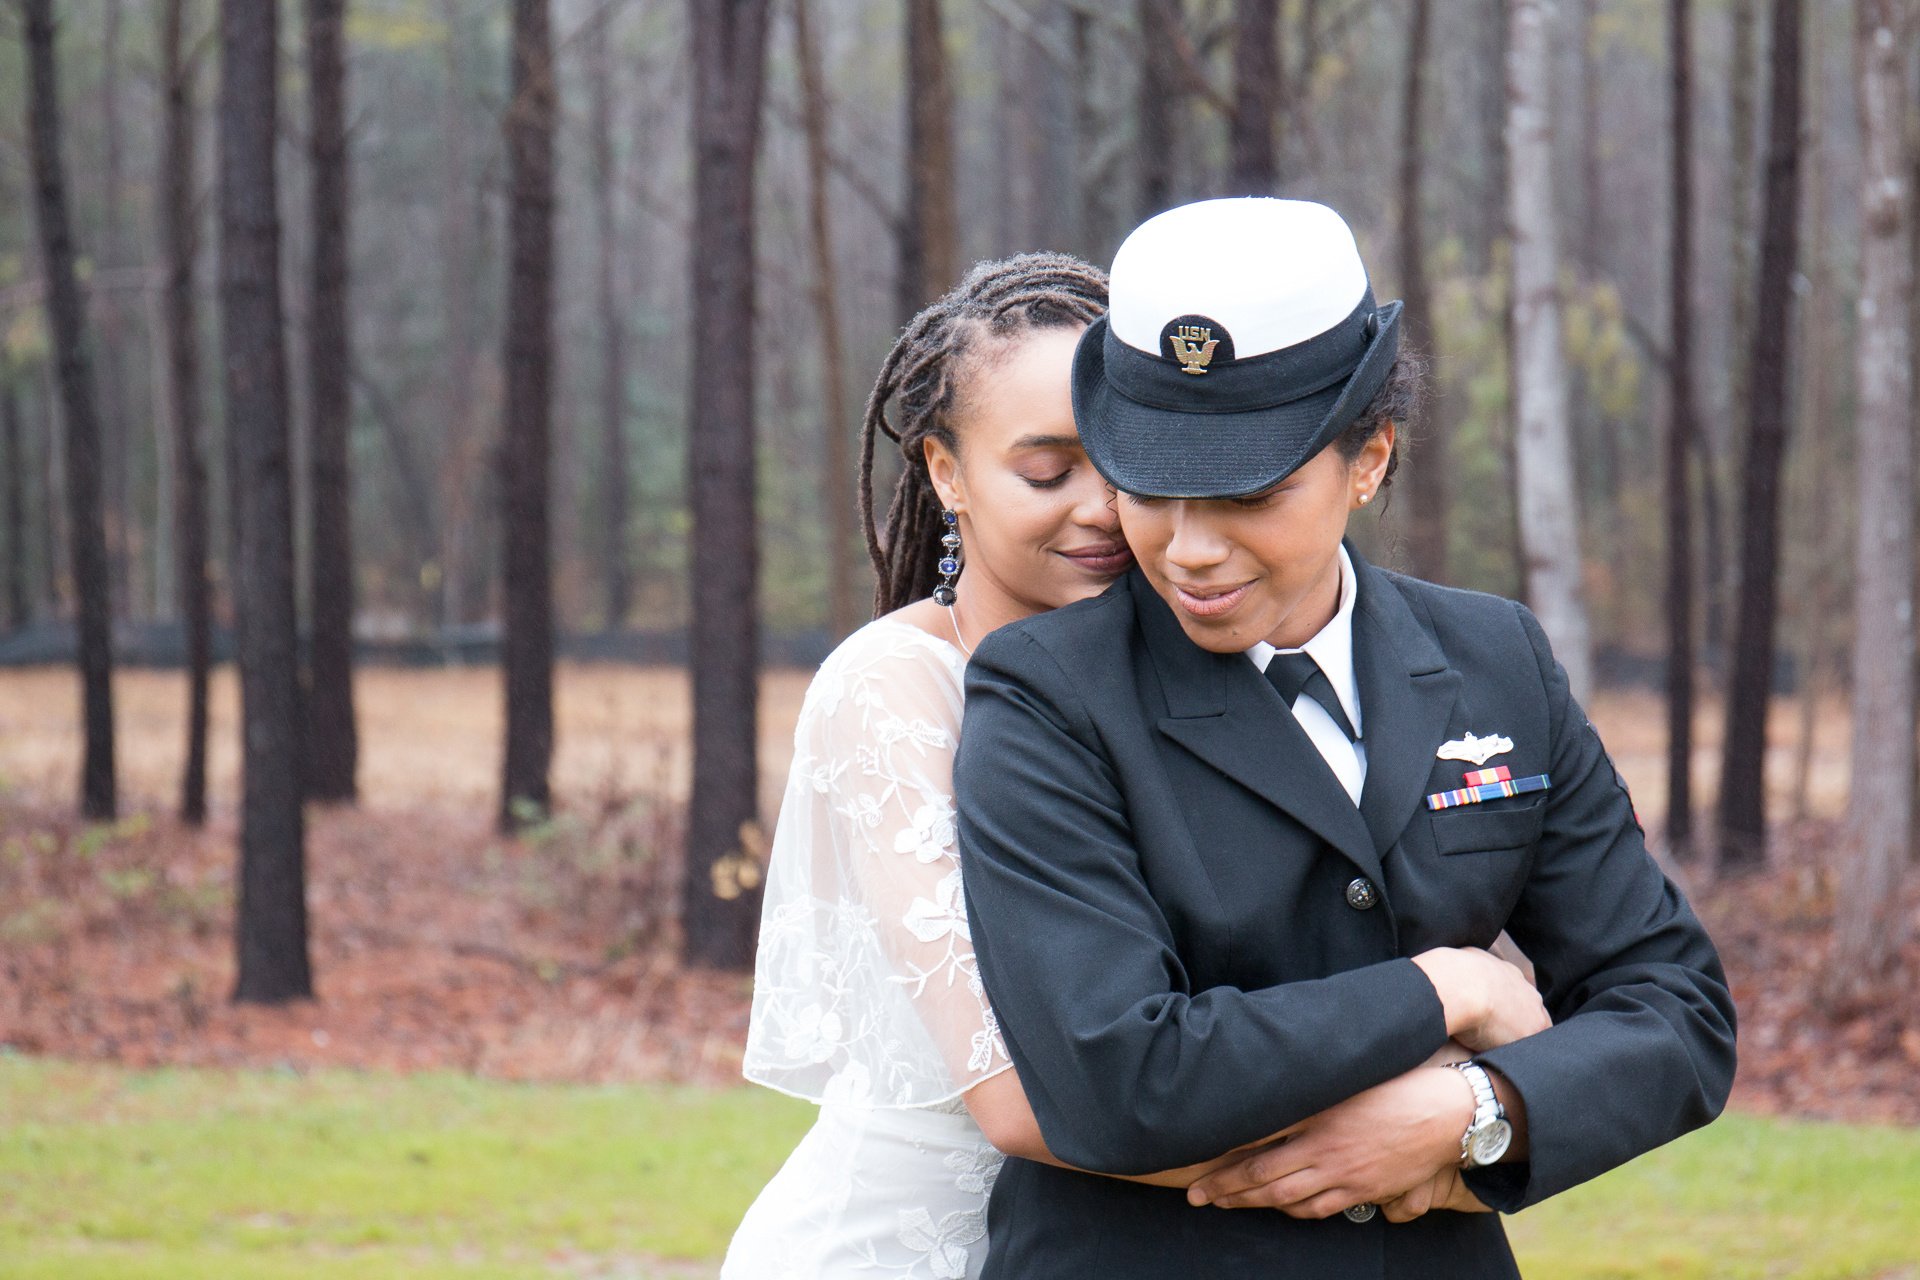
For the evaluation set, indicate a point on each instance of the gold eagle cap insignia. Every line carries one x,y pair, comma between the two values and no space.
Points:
1193,347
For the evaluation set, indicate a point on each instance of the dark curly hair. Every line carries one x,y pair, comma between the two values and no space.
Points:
1397,401
926,371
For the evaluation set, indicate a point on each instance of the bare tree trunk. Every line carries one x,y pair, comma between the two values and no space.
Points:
112,404
843,595
1680,429
13,507
1161,104
929,233
720,910
1491,41
1818,589
462,471
1257,92
1427,496
271,933
66,317
333,740
179,236
1743,73
1713,550
52,471
615,565
1592,189
1543,446
1742,808
525,453
1092,212
1871,923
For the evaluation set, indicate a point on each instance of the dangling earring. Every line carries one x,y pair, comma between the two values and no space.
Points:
949,565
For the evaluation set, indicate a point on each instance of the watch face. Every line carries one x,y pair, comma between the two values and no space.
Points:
1489,1142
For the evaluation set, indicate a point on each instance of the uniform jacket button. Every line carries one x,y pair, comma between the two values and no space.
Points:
1362,1212
1361,894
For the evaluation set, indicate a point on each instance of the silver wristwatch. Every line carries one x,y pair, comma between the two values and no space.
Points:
1486,1139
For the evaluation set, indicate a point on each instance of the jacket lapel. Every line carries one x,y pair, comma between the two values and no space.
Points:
1222,710
1407,697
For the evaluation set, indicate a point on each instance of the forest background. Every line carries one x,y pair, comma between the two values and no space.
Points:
458,369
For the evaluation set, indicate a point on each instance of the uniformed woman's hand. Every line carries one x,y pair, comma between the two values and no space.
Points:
1487,1001
1445,1190
1377,1146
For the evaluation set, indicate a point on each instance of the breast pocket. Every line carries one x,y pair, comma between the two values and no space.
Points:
1480,829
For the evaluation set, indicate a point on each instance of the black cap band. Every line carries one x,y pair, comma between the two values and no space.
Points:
1240,386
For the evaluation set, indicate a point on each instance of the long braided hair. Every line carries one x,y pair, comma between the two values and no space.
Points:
924,372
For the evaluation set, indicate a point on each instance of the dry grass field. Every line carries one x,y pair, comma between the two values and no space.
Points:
430,738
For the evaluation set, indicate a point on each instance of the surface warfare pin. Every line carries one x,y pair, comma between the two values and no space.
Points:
1196,342
1475,751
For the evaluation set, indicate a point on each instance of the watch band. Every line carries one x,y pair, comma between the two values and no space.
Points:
1486,1108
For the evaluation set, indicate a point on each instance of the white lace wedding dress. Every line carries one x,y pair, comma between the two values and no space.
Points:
866,1000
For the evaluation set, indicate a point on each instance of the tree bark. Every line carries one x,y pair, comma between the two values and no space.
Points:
463,482
525,453
1161,107
112,404
1817,590
843,595
1543,446
1490,103
720,910
13,508
1257,92
1742,74
929,233
1742,807
615,565
333,740
66,316
1427,495
271,933
1871,920
52,473
1680,429
1592,187
180,241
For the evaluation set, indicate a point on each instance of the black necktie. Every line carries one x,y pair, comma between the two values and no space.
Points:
1296,673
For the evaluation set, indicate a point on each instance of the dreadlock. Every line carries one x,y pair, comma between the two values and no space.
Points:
925,372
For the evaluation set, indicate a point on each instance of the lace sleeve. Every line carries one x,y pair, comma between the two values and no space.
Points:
865,988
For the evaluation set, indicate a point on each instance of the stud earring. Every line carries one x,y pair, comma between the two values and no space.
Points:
949,565
1365,498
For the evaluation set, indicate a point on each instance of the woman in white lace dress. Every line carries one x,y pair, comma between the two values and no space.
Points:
866,998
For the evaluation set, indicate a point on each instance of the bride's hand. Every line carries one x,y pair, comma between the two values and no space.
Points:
1445,1190
1487,1002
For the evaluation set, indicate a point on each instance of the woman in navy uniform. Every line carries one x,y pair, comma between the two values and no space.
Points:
1230,827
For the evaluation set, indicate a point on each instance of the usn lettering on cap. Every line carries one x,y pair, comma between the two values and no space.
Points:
1196,342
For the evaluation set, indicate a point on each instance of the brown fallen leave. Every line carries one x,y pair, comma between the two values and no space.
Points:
440,945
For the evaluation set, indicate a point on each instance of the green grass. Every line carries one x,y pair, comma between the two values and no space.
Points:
166,1175
185,1175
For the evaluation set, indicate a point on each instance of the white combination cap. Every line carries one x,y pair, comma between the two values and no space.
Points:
1292,271
1241,338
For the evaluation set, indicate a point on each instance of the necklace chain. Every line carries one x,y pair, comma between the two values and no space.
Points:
953,613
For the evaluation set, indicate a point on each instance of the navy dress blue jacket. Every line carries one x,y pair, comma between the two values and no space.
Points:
1157,868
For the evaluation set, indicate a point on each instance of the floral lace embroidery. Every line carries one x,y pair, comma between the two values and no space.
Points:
865,987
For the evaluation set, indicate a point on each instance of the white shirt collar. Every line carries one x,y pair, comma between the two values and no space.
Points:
1331,646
